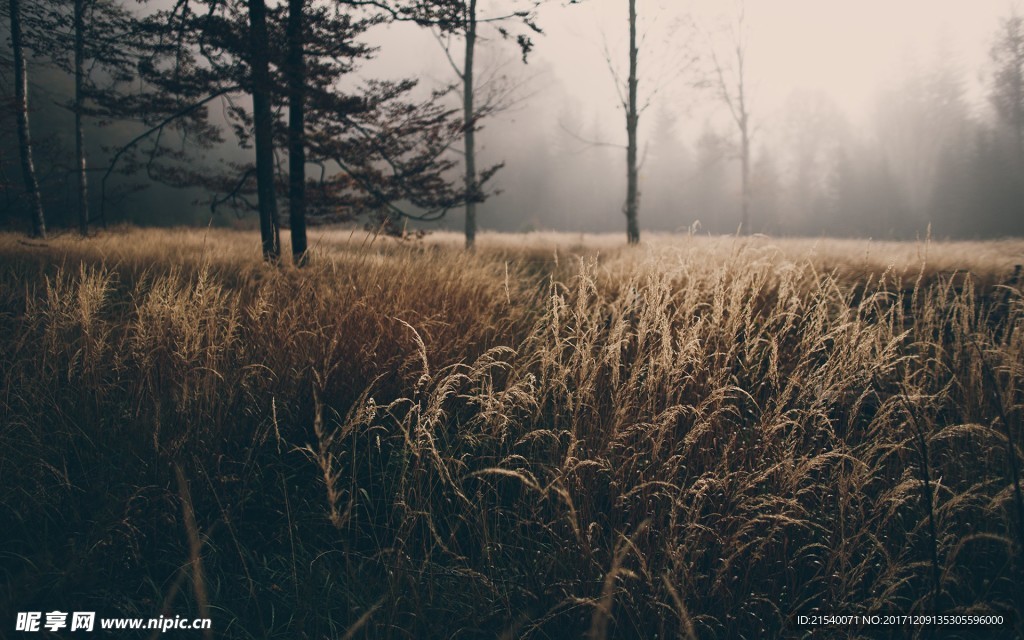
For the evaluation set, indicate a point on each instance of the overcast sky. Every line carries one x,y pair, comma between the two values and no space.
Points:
847,50
848,53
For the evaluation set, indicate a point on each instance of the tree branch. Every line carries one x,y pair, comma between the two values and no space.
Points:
154,129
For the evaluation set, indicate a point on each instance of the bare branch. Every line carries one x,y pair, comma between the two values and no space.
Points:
154,129
592,143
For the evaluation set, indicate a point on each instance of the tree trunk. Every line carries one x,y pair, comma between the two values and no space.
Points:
470,124
296,132
28,170
83,183
263,122
741,116
632,119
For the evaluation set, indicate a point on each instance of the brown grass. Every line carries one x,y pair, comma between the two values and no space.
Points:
558,436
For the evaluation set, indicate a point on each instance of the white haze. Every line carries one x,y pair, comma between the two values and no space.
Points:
846,53
843,63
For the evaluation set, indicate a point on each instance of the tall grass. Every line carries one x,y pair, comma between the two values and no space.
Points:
554,437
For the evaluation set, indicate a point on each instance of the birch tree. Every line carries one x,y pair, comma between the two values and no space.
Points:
21,108
93,42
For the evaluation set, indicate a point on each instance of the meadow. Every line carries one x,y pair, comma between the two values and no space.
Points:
557,436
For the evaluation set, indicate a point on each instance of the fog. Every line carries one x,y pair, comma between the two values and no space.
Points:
827,78
869,119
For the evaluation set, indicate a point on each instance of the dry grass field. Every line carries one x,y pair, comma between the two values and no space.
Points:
556,437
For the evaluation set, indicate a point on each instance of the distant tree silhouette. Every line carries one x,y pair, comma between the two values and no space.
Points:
1007,85
629,100
812,131
725,73
462,19
92,41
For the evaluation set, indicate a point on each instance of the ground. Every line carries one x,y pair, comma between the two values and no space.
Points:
556,436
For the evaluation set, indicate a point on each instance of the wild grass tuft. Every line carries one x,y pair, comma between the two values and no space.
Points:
552,437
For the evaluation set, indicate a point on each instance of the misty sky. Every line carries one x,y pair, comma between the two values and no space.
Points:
847,52
851,57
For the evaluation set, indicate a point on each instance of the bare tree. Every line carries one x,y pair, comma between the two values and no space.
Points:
629,101
461,18
725,74
21,105
634,105
632,110
632,120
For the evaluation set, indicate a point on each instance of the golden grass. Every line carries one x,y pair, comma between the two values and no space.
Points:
556,436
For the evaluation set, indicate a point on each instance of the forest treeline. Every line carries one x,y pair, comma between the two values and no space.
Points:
258,107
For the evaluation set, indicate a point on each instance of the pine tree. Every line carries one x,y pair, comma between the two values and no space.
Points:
376,145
